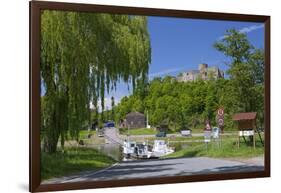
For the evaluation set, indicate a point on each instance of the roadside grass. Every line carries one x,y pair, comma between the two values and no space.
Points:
152,131
139,131
83,134
71,161
143,131
174,139
228,149
200,129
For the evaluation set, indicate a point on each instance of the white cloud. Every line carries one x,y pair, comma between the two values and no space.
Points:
163,72
246,30
251,28
107,103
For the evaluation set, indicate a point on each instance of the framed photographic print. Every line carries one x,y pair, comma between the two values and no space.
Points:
123,96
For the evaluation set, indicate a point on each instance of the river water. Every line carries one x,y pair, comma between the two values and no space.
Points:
115,151
112,150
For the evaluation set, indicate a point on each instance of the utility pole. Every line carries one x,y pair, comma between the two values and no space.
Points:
147,122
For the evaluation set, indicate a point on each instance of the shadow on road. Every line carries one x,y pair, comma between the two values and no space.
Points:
119,171
164,168
231,169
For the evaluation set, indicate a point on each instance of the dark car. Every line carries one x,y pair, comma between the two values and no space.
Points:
100,132
161,134
109,124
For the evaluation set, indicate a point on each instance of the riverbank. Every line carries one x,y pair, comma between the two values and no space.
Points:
227,149
71,161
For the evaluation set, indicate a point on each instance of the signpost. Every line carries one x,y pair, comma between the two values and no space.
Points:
221,112
247,127
220,118
216,136
207,136
207,133
220,123
214,133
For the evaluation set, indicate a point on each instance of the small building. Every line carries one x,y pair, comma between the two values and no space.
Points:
246,123
135,120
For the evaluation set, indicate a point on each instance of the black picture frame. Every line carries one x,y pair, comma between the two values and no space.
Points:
34,99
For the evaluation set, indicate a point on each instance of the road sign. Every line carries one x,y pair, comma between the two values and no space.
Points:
220,112
208,127
220,122
247,133
207,136
216,132
220,117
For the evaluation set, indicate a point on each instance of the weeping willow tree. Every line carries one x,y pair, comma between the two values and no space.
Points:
83,56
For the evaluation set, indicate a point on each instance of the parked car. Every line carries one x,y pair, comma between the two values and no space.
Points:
100,132
109,124
161,134
186,132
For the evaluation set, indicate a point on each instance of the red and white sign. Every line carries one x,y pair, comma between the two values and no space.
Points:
208,127
220,112
220,122
220,117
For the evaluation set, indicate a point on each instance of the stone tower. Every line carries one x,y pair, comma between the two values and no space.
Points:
203,71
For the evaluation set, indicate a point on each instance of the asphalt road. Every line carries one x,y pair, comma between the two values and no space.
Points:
111,136
161,168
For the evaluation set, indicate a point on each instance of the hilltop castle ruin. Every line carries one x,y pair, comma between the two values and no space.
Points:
204,73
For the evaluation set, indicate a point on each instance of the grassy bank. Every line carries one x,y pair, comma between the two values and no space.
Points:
228,149
139,131
83,134
71,161
143,131
152,131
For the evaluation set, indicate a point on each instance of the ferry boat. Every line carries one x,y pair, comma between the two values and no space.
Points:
161,148
132,149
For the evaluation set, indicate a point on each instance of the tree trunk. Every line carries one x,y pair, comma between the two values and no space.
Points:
50,145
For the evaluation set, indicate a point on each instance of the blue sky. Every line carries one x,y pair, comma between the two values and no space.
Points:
181,44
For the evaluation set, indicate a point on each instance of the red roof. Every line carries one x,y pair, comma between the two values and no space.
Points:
244,116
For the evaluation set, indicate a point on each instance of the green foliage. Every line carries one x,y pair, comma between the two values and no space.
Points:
84,134
235,45
72,160
179,104
138,131
189,104
246,71
84,55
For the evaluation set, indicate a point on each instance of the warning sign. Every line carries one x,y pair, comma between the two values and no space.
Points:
220,112
220,122
220,117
